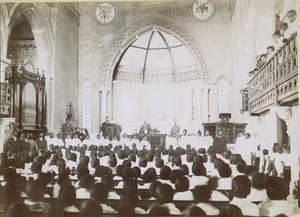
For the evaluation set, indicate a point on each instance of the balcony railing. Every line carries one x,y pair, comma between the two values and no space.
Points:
276,82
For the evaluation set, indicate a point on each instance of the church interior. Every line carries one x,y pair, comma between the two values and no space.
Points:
100,100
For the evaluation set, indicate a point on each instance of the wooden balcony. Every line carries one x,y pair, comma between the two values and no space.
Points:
276,83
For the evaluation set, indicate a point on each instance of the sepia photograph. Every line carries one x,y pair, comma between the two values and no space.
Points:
135,108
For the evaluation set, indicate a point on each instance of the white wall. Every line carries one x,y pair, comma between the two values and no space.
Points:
157,103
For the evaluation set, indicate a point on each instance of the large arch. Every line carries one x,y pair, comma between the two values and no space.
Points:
128,35
41,30
4,30
45,43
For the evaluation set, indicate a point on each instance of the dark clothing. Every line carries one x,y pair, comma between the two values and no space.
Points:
107,130
23,146
219,144
67,129
42,144
117,131
10,145
81,136
145,128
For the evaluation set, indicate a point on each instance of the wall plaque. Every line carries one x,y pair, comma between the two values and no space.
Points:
105,13
203,10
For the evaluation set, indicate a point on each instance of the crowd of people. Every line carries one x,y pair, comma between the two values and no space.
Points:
280,36
95,172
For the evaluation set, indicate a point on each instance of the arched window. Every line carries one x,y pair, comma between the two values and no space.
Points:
222,95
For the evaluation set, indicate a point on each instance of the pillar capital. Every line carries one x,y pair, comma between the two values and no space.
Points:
104,89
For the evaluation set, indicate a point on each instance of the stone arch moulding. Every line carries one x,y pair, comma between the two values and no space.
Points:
28,63
5,18
41,30
45,44
128,35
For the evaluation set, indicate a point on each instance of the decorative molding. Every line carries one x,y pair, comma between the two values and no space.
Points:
23,45
29,63
157,77
129,76
189,75
70,11
128,34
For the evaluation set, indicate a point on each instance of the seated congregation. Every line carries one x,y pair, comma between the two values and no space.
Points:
121,181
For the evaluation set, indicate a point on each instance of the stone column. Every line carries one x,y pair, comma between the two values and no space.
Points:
290,116
269,128
103,103
205,103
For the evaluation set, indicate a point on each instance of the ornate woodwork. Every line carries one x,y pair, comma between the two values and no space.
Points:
230,129
28,100
276,83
